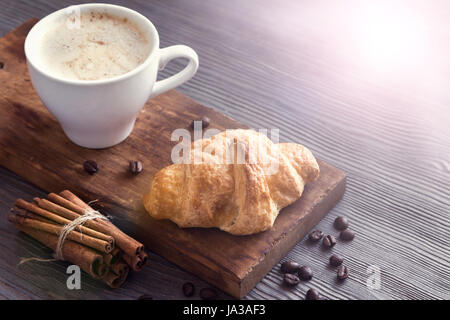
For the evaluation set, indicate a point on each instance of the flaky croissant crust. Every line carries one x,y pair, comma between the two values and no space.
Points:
241,198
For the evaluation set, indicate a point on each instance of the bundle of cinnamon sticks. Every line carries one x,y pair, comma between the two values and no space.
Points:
97,246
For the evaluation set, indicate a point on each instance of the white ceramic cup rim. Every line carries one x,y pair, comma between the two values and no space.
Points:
31,58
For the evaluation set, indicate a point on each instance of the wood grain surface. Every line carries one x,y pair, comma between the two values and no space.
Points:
231,263
303,67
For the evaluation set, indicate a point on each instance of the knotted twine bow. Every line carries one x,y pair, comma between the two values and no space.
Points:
89,214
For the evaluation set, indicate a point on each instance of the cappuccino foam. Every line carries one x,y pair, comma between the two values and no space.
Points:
102,46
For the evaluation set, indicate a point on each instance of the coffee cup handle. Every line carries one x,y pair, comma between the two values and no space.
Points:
170,53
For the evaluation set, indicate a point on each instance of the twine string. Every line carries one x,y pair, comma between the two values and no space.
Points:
89,214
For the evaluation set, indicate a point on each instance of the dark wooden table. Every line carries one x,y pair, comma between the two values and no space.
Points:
365,85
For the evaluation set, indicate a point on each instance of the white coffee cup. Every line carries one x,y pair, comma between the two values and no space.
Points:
101,113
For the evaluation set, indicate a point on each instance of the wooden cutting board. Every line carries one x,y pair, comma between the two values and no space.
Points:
33,145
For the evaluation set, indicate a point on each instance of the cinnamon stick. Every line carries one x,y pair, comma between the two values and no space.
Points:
119,267
123,241
97,244
117,274
87,259
63,220
68,195
113,256
42,212
55,208
144,257
56,198
102,269
27,214
115,280
95,224
135,262
70,215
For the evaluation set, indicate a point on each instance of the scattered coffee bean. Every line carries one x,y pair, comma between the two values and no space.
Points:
315,235
342,272
145,297
347,235
208,294
291,279
305,273
90,166
329,241
188,289
336,260
312,294
341,223
204,120
289,267
135,166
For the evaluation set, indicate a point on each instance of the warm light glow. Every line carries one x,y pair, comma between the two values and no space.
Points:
389,37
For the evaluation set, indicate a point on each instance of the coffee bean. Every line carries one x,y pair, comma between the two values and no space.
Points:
336,260
188,289
208,294
205,122
135,166
145,297
342,272
312,294
347,235
289,267
305,273
341,223
291,279
90,166
315,235
329,241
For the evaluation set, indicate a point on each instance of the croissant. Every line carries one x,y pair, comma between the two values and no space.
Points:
237,181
